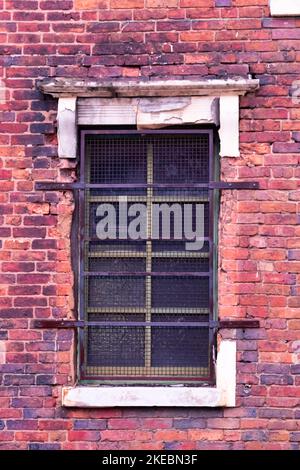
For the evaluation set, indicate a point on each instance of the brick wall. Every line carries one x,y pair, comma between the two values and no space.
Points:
259,239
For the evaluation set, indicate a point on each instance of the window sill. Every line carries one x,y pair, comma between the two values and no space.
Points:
223,395
285,7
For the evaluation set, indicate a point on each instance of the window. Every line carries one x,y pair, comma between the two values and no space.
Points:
147,256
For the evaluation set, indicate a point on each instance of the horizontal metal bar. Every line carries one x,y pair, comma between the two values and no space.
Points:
58,186
49,324
150,323
116,310
145,273
223,324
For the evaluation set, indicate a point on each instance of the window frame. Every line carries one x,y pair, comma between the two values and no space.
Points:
213,222
284,7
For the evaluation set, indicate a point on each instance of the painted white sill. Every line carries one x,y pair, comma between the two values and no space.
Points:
285,7
223,395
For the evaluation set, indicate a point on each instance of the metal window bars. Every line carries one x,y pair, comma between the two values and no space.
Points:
146,304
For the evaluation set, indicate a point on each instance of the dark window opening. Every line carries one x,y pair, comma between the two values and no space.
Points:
146,285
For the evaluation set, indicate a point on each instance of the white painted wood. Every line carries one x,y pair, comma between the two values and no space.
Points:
285,7
67,128
223,395
229,126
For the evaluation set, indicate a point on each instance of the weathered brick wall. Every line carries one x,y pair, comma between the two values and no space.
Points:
260,234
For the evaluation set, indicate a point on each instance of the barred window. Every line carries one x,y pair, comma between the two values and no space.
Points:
147,259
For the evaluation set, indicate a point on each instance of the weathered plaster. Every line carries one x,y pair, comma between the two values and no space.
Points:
107,111
223,395
67,131
285,7
148,104
148,113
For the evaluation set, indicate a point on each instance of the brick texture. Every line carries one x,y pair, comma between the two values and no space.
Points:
259,230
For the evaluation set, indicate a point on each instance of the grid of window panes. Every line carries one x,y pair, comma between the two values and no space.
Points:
146,289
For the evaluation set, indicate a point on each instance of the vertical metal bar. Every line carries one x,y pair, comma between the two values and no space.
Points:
149,254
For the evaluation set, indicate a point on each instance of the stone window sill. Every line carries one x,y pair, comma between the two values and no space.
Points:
285,7
223,395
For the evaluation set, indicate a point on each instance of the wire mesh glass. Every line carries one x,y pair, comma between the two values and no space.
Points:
116,291
177,291
181,159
